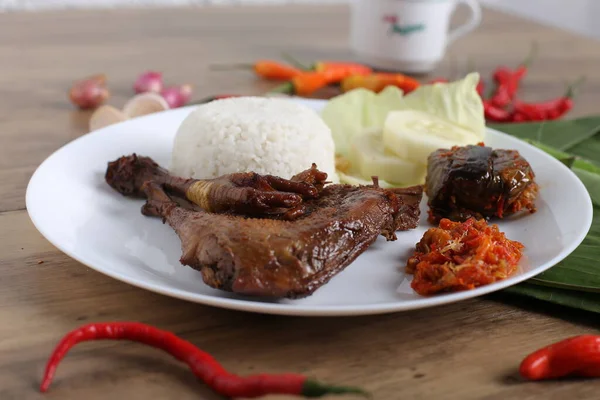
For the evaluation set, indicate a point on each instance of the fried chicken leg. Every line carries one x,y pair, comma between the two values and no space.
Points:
245,193
259,247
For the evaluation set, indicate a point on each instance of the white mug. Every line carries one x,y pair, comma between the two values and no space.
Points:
406,35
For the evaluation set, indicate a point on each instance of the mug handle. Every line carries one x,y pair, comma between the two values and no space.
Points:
470,25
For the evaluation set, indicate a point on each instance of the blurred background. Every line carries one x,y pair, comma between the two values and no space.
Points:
578,16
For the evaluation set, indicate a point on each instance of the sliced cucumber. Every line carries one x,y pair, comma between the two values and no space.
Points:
371,158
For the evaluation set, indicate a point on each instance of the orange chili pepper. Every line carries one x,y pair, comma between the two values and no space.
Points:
379,81
304,84
275,71
338,71
321,75
267,69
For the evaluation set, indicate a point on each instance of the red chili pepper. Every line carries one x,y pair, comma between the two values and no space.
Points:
507,81
495,114
203,365
502,97
501,73
518,118
575,356
547,110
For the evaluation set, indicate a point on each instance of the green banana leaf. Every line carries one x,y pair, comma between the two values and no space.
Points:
587,172
574,282
562,135
569,298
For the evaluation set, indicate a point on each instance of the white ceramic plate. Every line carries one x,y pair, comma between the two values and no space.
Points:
72,206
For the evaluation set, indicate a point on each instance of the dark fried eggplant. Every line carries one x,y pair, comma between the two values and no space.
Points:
480,182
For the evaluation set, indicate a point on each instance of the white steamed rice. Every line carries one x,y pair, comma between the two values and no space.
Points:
265,135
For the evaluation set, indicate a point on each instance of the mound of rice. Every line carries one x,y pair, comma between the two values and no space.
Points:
265,135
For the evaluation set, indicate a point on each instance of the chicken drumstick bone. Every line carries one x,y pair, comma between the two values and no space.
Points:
245,193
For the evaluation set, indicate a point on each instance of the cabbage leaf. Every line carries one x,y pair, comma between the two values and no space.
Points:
359,110
456,102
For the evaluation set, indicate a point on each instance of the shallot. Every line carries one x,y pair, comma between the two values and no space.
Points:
177,96
89,93
150,81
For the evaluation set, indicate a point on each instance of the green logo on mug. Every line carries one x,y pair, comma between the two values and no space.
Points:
395,26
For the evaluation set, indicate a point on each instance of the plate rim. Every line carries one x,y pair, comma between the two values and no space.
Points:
304,310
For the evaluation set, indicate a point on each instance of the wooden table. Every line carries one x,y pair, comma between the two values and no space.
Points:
468,350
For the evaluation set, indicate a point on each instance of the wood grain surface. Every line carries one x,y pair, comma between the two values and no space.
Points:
468,350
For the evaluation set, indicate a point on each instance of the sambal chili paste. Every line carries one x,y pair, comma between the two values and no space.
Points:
462,256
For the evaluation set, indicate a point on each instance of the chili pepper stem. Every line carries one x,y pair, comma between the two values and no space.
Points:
531,56
295,62
570,93
313,389
286,88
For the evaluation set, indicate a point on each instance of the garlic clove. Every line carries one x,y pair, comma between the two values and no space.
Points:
145,103
104,116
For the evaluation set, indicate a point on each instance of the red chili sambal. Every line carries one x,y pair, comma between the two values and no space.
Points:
461,256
